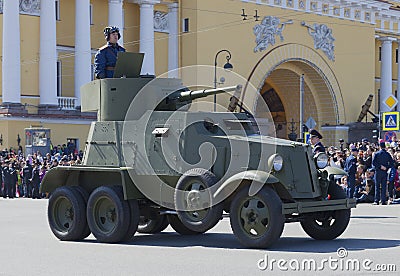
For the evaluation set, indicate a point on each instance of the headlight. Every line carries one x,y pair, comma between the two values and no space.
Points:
321,159
276,161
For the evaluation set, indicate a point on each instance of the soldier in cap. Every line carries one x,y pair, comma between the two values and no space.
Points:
26,176
351,168
10,180
315,141
106,57
381,162
35,180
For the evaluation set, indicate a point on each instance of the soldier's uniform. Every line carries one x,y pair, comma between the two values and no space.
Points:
27,175
381,158
351,168
106,57
318,147
35,182
10,180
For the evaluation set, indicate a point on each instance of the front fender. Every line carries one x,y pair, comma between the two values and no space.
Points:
334,171
257,180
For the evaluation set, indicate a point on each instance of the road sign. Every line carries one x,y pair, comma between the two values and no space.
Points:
390,102
389,136
390,121
310,123
307,137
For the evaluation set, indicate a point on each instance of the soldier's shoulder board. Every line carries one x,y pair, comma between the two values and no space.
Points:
103,47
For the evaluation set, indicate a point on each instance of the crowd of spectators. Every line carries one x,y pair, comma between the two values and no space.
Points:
363,152
22,175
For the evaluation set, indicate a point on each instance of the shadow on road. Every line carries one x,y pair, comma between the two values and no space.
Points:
228,241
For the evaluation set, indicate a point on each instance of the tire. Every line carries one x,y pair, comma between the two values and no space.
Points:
192,193
178,226
67,214
257,221
328,225
85,196
152,226
133,213
108,215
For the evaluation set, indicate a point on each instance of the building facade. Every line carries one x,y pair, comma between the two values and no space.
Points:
336,52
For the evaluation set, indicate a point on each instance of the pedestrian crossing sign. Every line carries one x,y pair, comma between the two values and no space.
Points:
390,121
307,137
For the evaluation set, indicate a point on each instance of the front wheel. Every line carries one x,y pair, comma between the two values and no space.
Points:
257,221
328,225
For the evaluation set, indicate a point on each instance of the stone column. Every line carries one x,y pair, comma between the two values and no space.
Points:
147,34
11,68
48,54
83,55
386,71
173,40
115,17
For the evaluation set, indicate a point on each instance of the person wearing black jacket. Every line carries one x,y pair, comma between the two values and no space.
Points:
382,162
10,180
35,181
27,175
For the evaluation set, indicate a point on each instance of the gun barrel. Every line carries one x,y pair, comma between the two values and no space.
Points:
191,95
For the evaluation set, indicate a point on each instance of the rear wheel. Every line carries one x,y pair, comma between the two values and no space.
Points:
257,221
153,225
85,196
67,214
178,226
328,225
108,215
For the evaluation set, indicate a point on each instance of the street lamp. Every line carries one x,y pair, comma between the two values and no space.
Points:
227,66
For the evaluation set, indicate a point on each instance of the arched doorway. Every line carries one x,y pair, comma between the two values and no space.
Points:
277,78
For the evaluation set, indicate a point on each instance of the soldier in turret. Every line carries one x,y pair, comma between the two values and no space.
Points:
106,57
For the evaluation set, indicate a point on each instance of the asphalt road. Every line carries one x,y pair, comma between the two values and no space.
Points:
27,247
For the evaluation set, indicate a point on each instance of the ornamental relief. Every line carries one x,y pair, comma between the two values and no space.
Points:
323,38
266,31
161,22
31,7
271,27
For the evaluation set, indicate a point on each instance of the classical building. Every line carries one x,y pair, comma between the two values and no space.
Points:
338,52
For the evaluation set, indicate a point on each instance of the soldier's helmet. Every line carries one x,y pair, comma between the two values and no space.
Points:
109,30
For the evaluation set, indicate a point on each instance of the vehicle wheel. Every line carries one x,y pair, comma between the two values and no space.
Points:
134,214
328,225
108,215
257,221
193,199
67,214
85,196
152,225
134,219
178,226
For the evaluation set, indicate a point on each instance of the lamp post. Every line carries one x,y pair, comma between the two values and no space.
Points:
227,66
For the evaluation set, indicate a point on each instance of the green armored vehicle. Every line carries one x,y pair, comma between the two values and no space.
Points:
150,161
